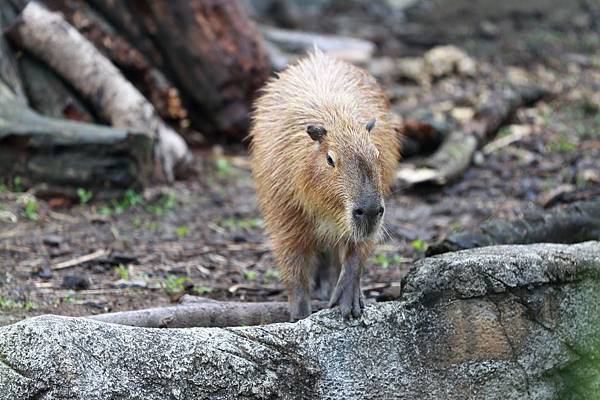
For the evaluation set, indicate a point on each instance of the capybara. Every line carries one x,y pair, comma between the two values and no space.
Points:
324,153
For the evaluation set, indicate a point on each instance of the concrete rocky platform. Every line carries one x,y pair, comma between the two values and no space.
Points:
501,322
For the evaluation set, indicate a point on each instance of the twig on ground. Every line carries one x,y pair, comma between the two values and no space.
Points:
80,260
254,288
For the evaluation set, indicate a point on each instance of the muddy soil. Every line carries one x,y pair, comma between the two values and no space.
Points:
204,236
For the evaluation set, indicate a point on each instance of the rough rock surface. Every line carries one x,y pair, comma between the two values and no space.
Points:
503,322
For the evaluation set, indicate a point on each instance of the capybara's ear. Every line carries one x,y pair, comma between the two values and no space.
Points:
316,132
371,124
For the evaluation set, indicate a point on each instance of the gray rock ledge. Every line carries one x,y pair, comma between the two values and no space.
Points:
503,322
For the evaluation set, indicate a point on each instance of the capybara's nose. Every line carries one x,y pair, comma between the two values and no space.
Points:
372,212
368,214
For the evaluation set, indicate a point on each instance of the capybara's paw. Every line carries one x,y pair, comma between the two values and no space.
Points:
349,298
299,309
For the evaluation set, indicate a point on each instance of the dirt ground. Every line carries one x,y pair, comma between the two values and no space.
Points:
204,236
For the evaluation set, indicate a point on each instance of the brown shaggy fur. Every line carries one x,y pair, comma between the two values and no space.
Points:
307,204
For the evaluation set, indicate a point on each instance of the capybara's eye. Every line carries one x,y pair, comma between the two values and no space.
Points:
330,160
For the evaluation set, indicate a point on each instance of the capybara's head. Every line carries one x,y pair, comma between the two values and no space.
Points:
344,179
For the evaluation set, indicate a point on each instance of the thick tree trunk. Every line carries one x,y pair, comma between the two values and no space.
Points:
51,38
209,49
64,155
505,322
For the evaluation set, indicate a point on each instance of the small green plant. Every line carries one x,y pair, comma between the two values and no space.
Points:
272,275
419,244
68,299
137,222
124,272
235,223
250,275
176,284
168,202
562,145
31,210
18,184
132,198
117,207
156,209
223,166
6,304
384,261
3,188
84,195
201,290
106,211
182,231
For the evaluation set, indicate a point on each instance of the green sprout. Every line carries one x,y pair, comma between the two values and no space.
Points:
250,275
419,244
124,272
223,166
31,210
202,290
272,275
182,231
84,195
175,284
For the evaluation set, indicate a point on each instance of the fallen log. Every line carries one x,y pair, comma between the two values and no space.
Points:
300,43
47,35
48,94
56,156
455,154
9,71
577,222
136,67
505,322
204,314
211,50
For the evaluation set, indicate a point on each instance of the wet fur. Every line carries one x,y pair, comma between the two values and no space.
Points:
306,203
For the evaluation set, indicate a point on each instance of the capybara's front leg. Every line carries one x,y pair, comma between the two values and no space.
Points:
296,275
347,293
299,298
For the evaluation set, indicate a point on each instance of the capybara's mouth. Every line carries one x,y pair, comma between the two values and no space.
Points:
366,230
